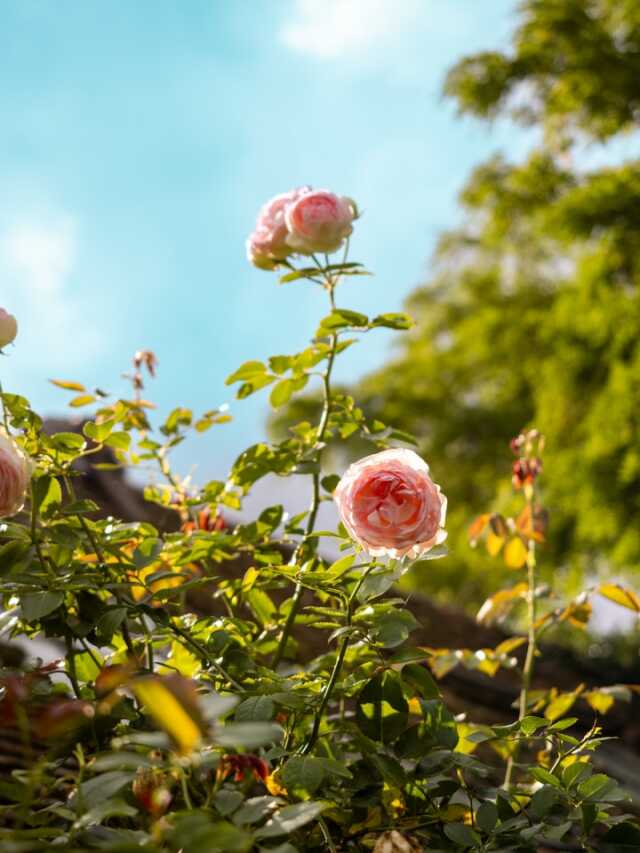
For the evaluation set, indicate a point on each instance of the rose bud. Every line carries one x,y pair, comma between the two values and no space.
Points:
319,221
8,328
15,474
267,246
151,792
390,505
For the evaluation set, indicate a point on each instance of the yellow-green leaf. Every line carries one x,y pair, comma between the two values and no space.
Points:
498,605
494,543
172,704
68,386
621,595
515,553
82,400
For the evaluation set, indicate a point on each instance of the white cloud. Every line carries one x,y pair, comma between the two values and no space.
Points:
57,327
40,256
332,29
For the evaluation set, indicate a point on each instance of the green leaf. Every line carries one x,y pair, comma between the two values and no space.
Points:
92,792
543,801
281,393
462,835
249,370
109,623
46,493
330,482
119,440
98,431
342,318
290,818
303,772
378,581
393,628
544,776
421,680
255,709
35,605
248,735
487,817
393,321
530,725
382,712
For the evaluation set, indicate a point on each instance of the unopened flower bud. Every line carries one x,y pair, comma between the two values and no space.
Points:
8,328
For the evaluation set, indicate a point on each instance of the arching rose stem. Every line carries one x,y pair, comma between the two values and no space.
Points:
337,667
527,672
315,498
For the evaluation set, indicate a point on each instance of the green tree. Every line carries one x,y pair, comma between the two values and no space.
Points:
532,316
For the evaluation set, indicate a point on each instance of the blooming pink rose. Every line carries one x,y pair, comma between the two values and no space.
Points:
267,245
319,221
15,473
8,328
390,505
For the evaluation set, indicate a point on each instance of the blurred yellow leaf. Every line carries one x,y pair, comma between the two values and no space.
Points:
561,703
578,613
515,553
68,386
621,595
600,702
477,528
494,543
500,603
82,400
172,703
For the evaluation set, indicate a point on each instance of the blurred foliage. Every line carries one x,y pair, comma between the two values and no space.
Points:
532,314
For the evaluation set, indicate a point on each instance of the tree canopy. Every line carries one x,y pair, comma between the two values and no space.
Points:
532,315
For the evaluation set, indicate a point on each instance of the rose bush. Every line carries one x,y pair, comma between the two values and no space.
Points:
188,714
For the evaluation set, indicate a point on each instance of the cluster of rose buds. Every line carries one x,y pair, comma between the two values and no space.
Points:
143,358
391,506
8,328
527,446
302,221
15,475
238,765
205,521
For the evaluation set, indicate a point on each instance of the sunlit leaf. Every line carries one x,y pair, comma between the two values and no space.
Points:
68,386
515,553
172,703
621,595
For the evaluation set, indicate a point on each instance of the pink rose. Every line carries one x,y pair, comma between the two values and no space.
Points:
8,328
15,473
267,245
390,505
319,221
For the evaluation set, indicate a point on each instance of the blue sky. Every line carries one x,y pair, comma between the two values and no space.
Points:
139,140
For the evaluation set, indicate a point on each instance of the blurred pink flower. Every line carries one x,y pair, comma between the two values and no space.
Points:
391,506
8,328
319,221
15,474
267,245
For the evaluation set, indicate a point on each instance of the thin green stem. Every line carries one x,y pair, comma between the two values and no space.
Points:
337,667
205,655
527,672
97,549
315,495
